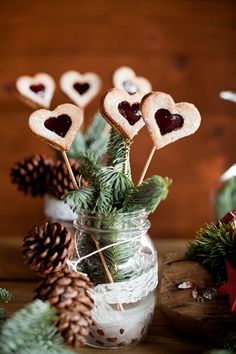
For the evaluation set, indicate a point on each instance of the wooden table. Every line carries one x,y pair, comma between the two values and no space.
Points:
21,282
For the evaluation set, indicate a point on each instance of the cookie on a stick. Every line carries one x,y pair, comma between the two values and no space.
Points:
167,121
36,91
58,128
125,78
80,88
122,111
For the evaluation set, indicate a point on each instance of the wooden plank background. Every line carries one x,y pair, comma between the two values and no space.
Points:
186,48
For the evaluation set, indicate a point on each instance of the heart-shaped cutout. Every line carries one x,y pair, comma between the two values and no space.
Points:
80,88
125,78
122,111
59,127
38,89
166,120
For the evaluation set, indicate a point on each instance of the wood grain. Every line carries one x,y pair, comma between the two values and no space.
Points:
211,320
186,48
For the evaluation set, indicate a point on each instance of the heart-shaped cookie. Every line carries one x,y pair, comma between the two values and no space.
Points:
122,111
38,89
125,78
166,120
59,127
80,88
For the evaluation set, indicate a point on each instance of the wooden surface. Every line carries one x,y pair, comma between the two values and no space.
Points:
211,320
162,337
186,48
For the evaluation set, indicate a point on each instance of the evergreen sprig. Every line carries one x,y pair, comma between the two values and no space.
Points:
214,245
94,140
110,194
5,296
148,195
30,328
118,151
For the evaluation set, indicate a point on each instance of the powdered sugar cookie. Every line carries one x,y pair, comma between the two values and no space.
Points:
80,88
122,111
38,89
59,127
166,120
125,78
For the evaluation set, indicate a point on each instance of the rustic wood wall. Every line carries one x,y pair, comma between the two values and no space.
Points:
186,48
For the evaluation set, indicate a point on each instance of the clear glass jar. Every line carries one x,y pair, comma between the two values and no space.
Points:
120,259
57,211
223,194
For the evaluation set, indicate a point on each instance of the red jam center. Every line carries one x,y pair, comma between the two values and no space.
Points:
131,112
81,88
59,125
38,88
168,122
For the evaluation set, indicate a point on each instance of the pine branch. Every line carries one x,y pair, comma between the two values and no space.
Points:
118,152
39,350
90,166
3,316
96,139
231,344
31,327
84,198
148,195
78,146
5,296
214,245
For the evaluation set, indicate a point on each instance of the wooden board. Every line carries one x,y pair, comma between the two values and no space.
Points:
210,321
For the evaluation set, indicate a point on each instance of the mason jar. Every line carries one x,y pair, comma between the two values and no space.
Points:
120,259
56,210
223,193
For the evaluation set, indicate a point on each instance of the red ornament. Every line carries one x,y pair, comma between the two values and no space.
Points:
229,288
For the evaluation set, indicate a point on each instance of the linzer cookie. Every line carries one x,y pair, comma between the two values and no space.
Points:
80,88
166,120
122,111
37,90
59,127
125,78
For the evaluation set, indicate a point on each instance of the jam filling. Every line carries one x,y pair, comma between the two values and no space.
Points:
168,122
38,89
130,87
81,88
59,125
131,112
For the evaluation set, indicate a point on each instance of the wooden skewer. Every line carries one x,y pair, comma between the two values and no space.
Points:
70,170
146,165
109,276
126,157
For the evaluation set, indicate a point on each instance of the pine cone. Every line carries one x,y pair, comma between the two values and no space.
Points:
68,292
59,181
47,247
30,175
65,289
74,325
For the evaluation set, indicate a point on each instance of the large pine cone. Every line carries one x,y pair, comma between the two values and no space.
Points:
59,180
66,290
47,247
30,175
74,324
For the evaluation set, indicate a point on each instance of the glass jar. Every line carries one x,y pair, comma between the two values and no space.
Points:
223,194
120,259
57,211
